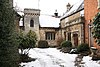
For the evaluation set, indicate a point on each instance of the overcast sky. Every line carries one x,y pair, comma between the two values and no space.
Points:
46,6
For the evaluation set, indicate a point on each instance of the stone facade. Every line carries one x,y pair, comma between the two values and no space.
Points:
75,29
63,30
50,30
62,23
72,25
49,34
32,15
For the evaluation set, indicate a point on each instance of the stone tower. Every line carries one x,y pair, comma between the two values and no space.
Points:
31,20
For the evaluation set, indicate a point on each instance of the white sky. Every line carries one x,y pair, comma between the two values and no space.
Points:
46,6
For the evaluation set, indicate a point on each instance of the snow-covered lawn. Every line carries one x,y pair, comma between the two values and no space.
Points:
51,57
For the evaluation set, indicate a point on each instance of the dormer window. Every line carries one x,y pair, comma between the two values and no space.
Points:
31,23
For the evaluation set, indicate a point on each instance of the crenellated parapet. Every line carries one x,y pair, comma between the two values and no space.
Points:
32,12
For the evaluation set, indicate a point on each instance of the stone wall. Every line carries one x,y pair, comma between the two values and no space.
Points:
76,29
34,15
43,30
75,26
74,16
63,23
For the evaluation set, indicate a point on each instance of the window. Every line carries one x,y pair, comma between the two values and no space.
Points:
65,35
98,4
50,36
31,23
69,36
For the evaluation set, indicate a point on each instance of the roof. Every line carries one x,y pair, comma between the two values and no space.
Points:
48,21
17,14
75,8
56,28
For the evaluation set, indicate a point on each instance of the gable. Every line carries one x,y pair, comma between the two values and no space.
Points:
76,8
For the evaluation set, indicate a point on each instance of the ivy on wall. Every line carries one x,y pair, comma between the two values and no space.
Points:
96,28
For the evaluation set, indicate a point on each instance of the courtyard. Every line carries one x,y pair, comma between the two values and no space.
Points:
52,57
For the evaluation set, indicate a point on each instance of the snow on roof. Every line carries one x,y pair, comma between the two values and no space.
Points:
49,21
20,13
76,7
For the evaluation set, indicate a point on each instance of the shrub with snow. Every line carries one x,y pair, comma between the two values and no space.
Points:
43,44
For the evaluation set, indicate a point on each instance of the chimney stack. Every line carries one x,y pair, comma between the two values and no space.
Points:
56,13
68,7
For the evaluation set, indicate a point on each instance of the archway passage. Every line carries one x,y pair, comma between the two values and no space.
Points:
75,38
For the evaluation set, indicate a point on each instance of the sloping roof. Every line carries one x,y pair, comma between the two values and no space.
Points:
48,21
76,7
81,6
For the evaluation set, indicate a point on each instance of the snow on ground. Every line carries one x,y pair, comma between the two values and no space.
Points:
51,57
90,63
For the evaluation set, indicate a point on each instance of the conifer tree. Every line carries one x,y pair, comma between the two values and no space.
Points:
96,28
8,42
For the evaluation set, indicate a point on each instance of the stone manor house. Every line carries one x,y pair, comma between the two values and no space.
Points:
70,26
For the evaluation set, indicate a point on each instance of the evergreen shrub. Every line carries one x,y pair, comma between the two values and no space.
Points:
9,56
83,47
43,44
96,28
66,44
27,41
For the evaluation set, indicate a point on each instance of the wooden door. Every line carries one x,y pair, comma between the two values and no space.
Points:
75,37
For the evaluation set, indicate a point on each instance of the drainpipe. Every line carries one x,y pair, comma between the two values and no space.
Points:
90,36
90,31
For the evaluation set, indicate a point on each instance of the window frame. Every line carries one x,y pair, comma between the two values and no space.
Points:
49,35
69,36
31,23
